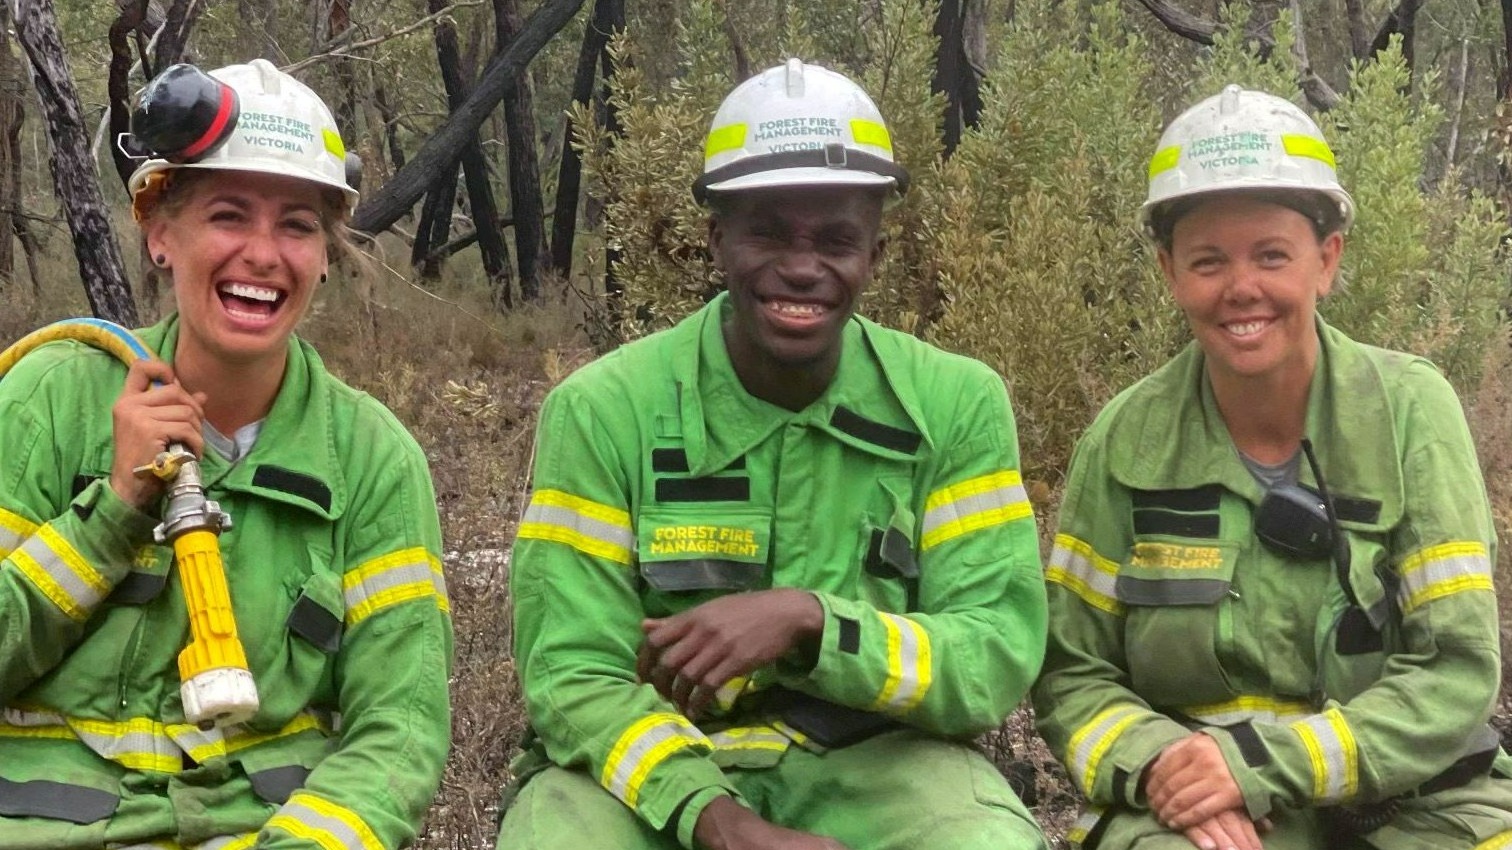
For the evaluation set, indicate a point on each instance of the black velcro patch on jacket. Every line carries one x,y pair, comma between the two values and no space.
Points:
1153,521
732,489
138,588
81,483
676,460
876,433
56,800
850,635
1356,634
315,624
1203,498
1250,746
1352,508
890,555
306,487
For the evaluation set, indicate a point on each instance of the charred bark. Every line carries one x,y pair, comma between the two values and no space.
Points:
608,15
74,177
434,228
445,146
474,167
1401,21
954,74
174,38
526,206
118,86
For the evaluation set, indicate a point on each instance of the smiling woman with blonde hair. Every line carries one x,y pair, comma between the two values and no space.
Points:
332,562
1272,615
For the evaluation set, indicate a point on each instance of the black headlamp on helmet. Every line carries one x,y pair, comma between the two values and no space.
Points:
184,114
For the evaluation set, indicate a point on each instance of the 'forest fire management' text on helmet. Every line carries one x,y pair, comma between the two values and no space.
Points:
798,125
1242,139
250,117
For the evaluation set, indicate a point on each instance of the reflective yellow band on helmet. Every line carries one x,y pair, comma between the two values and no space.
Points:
1309,147
726,138
333,143
1164,159
870,133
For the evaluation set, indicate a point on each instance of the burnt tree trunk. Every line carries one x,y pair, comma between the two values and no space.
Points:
955,75
434,228
118,86
526,206
442,150
74,177
608,15
474,166
175,36
1401,21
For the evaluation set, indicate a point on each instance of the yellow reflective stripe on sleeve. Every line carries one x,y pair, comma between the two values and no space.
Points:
1501,841
1444,570
1084,825
647,743
910,662
1331,749
587,526
14,529
397,577
750,738
1091,742
1309,147
871,133
141,743
727,138
973,505
1076,566
61,573
1248,709
327,824
229,842
1164,160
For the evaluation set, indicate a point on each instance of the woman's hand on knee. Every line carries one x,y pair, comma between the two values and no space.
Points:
726,825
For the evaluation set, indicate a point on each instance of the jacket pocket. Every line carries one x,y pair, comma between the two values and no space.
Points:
1180,621
889,557
683,550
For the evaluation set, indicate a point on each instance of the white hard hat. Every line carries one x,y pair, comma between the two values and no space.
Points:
1243,139
250,117
798,125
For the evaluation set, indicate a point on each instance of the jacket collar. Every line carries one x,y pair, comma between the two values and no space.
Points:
721,421
1169,434
295,460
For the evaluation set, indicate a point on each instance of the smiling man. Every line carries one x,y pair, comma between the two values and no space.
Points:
778,567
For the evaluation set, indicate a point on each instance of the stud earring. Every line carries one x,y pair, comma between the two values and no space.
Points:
322,277
160,260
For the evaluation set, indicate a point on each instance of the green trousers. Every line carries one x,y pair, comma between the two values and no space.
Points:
897,791
1476,816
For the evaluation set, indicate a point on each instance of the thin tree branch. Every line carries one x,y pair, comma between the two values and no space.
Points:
1201,30
339,50
1459,105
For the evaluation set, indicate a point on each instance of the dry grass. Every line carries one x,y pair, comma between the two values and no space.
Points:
468,383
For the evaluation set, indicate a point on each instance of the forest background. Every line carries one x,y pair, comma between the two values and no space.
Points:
526,176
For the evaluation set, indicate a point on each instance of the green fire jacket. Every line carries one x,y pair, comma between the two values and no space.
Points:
335,580
1169,615
660,483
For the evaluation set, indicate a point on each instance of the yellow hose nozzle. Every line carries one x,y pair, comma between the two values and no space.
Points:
217,688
